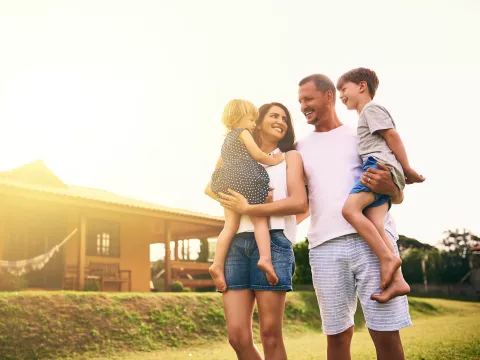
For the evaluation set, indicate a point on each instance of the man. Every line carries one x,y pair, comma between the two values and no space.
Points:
343,265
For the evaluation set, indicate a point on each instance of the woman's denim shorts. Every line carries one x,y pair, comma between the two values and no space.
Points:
242,272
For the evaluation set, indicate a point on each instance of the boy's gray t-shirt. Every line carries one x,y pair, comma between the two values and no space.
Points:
373,118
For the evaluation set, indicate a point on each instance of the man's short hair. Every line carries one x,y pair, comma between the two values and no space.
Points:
358,75
322,83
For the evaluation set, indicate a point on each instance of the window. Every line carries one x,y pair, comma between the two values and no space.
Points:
103,238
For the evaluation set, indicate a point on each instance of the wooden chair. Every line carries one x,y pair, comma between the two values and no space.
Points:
110,273
70,278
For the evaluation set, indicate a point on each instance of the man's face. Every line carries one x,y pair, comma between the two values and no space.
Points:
349,94
313,103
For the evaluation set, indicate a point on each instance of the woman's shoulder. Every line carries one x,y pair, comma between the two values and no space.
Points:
293,155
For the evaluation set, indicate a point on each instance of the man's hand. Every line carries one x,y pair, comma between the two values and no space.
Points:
380,182
234,201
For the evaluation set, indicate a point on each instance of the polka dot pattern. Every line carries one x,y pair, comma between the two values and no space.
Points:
240,172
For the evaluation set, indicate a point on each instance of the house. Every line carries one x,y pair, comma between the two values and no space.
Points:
38,210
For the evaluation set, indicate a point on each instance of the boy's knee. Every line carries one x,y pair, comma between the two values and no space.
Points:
348,212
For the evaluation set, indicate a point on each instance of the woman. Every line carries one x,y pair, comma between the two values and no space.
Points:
246,283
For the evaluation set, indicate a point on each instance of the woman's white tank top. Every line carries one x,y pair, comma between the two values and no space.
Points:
278,180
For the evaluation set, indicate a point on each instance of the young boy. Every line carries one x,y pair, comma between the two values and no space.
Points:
378,141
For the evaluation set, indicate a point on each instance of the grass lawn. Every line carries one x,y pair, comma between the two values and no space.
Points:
442,329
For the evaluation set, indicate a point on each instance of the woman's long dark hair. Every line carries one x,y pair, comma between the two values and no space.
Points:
287,143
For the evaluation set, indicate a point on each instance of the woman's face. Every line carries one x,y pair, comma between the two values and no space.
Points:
274,126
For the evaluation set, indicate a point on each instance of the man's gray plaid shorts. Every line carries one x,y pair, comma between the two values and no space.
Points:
343,269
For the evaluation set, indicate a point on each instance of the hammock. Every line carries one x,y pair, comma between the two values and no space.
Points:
20,267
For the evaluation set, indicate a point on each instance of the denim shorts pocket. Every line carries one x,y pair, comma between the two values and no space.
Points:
280,243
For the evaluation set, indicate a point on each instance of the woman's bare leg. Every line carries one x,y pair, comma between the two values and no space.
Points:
232,222
270,312
238,307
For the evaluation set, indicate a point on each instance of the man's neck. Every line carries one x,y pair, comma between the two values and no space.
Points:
328,123
362,103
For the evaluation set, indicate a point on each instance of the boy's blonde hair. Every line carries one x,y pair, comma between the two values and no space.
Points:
237,109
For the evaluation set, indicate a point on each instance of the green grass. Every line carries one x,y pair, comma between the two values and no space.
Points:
442,330
74,325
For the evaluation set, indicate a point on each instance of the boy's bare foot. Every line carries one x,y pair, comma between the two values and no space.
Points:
267,266
412,177
387,270
218,275
397,287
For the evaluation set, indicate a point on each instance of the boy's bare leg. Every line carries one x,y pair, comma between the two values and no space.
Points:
262,237
398,285
353,213
232,222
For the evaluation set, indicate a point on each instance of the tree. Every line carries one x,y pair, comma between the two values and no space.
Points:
405,242
303,273
203,254
460,242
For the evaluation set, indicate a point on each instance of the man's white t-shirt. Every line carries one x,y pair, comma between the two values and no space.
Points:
332,166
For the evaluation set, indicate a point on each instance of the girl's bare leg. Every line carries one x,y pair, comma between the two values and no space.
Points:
398,286
262,237
232,222
353,213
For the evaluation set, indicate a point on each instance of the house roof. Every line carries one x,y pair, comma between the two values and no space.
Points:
37,177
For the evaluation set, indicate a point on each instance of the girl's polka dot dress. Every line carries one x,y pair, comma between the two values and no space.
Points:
240,172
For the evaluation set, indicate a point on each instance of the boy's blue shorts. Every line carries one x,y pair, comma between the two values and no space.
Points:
380,199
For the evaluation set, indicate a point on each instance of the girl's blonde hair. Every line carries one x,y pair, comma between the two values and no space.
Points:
236,110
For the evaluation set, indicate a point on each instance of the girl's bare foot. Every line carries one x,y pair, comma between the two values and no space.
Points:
397,287
267,266
387,270
412,176
218,275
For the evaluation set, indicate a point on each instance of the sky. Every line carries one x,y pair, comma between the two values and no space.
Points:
127,96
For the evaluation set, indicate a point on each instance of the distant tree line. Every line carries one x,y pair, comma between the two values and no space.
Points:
448,263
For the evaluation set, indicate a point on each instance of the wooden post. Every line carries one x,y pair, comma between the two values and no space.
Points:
82,252
167,239
424,271
3,237
175,256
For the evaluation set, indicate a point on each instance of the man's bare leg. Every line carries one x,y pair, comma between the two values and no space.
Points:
388,345
338,346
